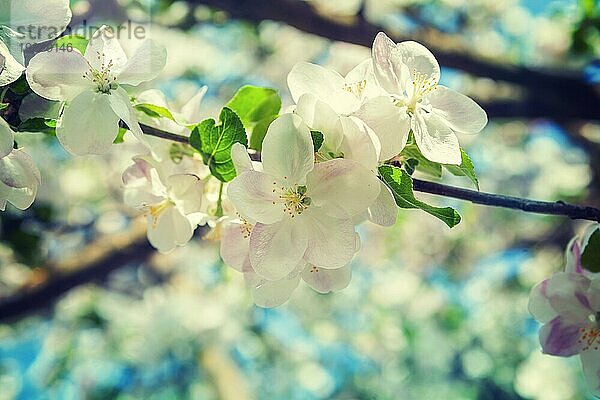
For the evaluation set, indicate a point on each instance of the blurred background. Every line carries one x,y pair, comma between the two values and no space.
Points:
89,311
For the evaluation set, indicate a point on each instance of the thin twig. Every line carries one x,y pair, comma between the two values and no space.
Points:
493,200
516,203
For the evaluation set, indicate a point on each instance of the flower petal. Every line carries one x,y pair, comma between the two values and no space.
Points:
38,21
342,184
18,171
23,194
331,242
327,280
319,116
7,138
363,74
104,49
459,112
252,194
11,68
187,191
269,294
390,123
567,294
417,57
169,230
357,144
58,75
241,159
387,64
573,257
235,244
88,125
287,150
193,112
325,84
539,305
146,64
121,105
590,361
561,338
435,139
384,211
276,249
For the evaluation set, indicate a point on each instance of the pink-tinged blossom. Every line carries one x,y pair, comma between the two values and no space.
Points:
568,304
303,211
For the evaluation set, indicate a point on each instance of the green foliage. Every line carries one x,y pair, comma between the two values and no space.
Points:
214,143
20,87
413,156
43,125
256,107
154,111
401,185
317,138
414,160
70,42
590,258
259,132
466,168
120,136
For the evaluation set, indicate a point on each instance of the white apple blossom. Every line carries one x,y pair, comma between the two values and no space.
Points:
568,304
25,22
235,251
343,94
350,138
172,202
91,87
409,74
19,176
303,210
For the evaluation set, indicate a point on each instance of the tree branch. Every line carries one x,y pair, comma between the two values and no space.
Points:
516,203
487,199
552,93
93,263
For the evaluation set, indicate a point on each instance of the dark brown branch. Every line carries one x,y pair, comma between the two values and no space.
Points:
94,263
552,94
516,203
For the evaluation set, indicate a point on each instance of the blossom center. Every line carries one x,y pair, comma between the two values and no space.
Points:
103,78
356,88
421,86
590,337
295,200
157,210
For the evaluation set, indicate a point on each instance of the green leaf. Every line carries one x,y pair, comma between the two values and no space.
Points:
401,185
317,138
70,42
47,126
590,258
411,151
466,168
154,111
3,106
120,136
214,143
410,165
20,86
259,132
254,104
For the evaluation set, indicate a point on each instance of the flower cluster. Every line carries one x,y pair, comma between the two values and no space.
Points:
568,304
294,214
297,211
